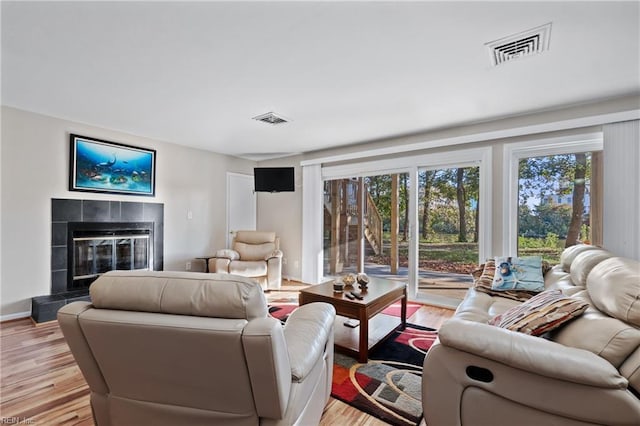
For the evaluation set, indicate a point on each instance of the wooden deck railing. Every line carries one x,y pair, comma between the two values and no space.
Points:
348,199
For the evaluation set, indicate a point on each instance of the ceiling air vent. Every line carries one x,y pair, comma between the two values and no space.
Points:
271,118
526,43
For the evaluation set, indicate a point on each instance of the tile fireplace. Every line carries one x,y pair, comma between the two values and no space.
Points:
90,237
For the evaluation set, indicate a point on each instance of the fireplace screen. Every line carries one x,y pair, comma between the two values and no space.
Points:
93,255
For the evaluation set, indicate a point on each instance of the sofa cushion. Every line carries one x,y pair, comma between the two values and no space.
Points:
248,268
543,312
599,333
478,306
518,273
614,288
254,251
483,279
557,278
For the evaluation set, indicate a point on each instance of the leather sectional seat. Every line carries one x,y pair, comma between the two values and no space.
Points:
583,373
179,348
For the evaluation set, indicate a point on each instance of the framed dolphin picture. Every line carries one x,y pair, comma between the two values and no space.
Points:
100,166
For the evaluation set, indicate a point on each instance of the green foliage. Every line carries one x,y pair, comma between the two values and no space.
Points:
585,231
540,177
543,220
437,191
551,240
548,247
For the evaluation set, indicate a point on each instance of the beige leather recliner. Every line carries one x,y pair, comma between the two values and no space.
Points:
179,348
584,373
254,254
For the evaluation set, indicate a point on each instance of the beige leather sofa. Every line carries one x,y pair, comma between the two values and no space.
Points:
254,254
586,372
179,348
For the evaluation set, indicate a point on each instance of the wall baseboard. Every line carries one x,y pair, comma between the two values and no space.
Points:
17,315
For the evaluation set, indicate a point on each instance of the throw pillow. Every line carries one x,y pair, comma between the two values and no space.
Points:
518,273
483,279
543,312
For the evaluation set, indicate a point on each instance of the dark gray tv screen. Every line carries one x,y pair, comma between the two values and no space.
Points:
273,179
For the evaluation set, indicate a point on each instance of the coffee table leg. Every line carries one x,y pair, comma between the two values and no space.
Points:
403,311
363,347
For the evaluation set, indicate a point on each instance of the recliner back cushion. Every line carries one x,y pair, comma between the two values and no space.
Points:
608,337
177,360
254,251
570,253
584,263
614,288
255,237
183,293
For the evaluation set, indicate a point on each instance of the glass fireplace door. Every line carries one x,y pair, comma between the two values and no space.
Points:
93,256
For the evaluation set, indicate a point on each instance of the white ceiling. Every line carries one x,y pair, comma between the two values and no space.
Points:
344,72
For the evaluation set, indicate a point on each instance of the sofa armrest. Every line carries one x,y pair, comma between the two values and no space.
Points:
228,254
529,353
274,254
268,365
307,332
219,265
69,321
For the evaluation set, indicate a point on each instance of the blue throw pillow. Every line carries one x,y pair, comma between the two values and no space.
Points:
518,273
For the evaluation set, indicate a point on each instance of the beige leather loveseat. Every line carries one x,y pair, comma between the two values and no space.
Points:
177,348
254,254
585,372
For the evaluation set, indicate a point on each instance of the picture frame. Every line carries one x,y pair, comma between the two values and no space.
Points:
96,165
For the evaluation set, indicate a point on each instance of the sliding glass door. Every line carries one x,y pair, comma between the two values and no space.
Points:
366,225
422,219
449,220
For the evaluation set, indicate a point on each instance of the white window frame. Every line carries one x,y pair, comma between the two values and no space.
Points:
513,153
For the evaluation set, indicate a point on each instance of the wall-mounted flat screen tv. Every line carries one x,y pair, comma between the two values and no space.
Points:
273,179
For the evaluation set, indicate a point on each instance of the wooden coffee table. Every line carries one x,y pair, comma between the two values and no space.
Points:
374,326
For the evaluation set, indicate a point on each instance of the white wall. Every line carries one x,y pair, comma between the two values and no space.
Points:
282,213
621,198
35,167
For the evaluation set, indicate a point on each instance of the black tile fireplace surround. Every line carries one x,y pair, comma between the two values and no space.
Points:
68,215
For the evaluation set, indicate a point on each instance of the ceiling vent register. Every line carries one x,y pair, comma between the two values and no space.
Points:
526,43
271,118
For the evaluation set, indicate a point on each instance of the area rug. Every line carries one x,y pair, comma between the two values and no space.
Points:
389,385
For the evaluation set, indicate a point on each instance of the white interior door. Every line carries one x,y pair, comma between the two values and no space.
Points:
241,204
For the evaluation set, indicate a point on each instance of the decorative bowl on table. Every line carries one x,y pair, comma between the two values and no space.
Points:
349,280
338,286
363,280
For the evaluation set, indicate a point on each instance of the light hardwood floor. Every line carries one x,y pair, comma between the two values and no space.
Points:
42,385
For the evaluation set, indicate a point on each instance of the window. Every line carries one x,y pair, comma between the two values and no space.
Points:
546,228
553,193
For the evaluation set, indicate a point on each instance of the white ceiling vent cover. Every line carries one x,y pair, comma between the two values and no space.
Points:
526,43
271,118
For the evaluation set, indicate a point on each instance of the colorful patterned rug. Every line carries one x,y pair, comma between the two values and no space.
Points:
389,385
